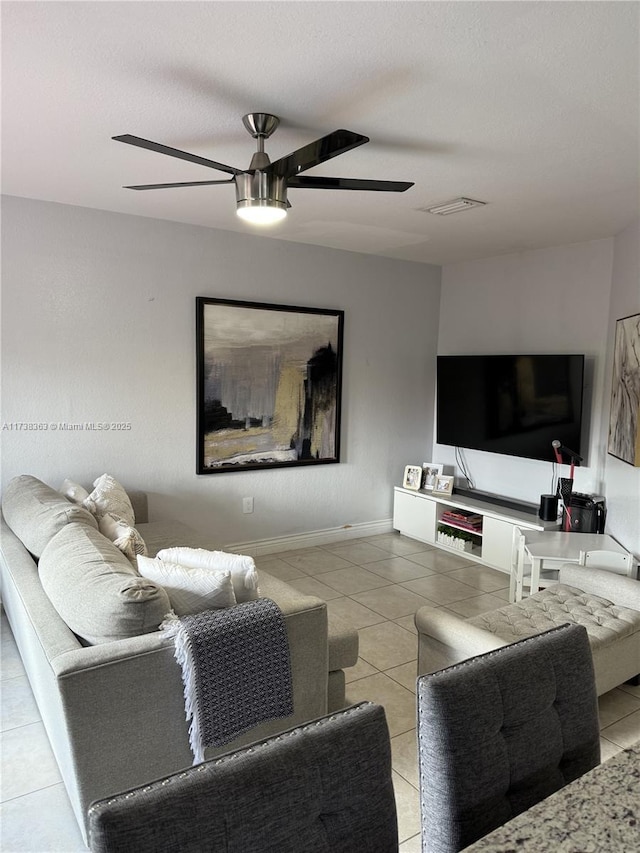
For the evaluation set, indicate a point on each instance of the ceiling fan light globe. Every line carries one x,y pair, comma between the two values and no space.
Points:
260,214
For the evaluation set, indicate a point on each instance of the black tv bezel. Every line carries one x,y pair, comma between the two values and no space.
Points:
550,457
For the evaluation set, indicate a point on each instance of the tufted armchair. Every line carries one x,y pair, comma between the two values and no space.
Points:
606,604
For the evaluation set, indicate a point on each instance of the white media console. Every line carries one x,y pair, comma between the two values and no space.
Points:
418,514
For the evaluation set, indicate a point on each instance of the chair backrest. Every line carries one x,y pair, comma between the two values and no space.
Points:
517,565
324,787
610,560
499,732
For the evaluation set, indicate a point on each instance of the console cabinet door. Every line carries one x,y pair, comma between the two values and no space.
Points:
497,538
415,516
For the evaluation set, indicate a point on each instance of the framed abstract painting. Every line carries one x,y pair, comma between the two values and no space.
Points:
624,415
269,383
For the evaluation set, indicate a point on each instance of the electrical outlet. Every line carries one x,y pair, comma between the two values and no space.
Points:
247,505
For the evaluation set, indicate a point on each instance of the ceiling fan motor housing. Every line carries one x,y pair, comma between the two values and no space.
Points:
260,189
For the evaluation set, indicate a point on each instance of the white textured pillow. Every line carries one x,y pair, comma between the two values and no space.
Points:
244,574
109,496
189,590
73,491
123,535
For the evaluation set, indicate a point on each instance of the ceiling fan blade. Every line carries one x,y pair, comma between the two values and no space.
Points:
174,152
311,183
181,184
316,152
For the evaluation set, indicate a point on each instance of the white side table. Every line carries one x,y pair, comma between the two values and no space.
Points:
558,547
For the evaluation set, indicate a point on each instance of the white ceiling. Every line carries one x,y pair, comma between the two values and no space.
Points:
532,107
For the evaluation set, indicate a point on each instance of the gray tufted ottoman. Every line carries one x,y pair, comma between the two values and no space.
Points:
607,605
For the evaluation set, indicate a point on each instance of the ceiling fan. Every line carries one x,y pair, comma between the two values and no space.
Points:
261,190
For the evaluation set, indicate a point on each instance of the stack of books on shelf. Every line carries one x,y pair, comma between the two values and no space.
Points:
463,519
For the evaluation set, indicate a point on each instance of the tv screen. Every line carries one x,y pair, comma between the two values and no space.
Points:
511,404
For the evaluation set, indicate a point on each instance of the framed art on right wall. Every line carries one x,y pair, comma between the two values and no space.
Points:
624,416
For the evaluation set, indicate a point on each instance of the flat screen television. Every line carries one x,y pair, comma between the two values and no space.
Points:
511,404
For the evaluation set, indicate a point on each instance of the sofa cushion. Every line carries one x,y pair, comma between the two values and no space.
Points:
189,590
73,491
126,538
109,496
244,575
606,623
96,590
36,512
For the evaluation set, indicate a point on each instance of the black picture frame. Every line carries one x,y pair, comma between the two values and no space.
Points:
624,412
269,385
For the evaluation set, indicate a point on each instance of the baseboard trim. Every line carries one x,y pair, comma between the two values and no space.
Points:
314,537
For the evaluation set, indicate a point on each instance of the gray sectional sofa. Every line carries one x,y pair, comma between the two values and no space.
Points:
114,711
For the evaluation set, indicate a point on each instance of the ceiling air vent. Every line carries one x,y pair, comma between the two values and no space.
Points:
457,205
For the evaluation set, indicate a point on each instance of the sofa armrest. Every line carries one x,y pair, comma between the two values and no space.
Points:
621,590
445,639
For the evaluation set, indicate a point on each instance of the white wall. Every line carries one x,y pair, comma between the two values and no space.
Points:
543,301
622,480
564,299
98,325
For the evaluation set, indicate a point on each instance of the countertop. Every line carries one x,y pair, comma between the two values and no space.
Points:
598,813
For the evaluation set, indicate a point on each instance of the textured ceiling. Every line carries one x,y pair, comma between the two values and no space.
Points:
532,107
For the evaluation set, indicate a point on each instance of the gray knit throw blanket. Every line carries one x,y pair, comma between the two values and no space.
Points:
236,670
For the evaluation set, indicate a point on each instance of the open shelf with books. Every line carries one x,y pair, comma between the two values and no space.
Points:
479,530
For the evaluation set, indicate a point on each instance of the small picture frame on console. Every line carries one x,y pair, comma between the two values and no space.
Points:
412,477
443,485
430,470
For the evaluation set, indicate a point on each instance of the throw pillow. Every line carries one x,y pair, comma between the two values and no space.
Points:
36,512
123,536
109,496
244,574
73,491
189,590
96,590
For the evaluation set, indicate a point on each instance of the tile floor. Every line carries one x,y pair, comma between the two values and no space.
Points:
376,585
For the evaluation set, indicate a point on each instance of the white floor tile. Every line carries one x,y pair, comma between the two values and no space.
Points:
27,761
312,586
404,757
608,749
615,705
387,644
408,623
392,602
17,705
399,704
315,561
632,689
406,674
470,607
439,561
411,845
360,670
481,577
353,613
278,568
441,589
398,569
625,732
352,580
10,661
408,806
394,543
40,822
358,552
